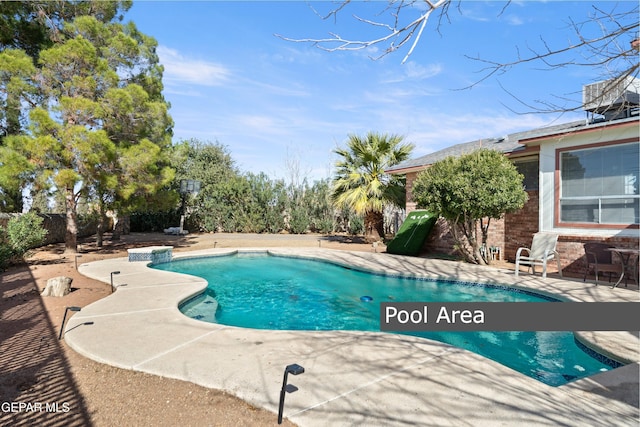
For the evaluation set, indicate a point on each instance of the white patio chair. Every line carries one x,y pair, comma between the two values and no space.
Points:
543,248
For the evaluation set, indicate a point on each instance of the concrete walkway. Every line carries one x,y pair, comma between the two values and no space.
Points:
351,378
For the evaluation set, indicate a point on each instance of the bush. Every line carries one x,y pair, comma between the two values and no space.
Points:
6,253
25,232
356,225
154,221
325,225
299,222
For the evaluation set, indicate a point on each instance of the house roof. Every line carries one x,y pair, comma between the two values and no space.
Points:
545,133
509,144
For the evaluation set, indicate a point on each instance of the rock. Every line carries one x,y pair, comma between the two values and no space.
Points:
57,287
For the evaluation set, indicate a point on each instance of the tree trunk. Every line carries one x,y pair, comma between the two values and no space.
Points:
476,244
373,226
102,225
484,229
467,243
71,235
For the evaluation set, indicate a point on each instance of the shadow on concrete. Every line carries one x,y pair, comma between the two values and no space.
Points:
344,239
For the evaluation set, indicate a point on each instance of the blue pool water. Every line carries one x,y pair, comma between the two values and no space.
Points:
269,292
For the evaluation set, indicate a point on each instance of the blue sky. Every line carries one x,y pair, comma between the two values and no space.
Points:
276,103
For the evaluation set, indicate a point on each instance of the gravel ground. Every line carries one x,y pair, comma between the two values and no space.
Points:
44,382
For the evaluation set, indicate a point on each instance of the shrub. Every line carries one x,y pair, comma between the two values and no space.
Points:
299,222
25,232
356,225
469,191
154,221
325,225
6,253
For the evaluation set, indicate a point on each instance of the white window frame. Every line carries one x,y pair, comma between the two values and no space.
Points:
627,199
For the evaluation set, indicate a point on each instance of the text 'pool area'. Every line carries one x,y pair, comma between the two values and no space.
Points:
261,291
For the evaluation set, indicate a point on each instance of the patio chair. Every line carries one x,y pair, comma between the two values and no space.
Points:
543,248
600,260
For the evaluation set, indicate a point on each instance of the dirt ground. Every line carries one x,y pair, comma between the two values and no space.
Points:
44,382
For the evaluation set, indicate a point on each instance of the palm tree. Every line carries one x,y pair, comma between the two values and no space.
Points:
361,183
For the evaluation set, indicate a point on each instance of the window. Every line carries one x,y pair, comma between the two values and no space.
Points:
530,170
600,185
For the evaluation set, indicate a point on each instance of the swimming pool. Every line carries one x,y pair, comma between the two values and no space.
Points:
269,292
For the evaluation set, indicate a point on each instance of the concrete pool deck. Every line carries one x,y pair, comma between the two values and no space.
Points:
351,378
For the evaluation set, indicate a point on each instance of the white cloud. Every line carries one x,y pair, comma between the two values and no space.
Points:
418,72
293,89
264,124
183,70
412,71
514,20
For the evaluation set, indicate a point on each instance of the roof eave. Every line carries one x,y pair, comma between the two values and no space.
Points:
589,128
407,169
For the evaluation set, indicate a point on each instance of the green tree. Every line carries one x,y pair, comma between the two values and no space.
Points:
266,204
361,182
317,199
298,220
468,191
220,183
31,27
16,91
101,126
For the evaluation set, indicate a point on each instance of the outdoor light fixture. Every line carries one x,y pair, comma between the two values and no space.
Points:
112,273
64,318
77,256
294,369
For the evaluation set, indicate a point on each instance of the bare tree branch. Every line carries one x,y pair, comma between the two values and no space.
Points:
611,51
396,34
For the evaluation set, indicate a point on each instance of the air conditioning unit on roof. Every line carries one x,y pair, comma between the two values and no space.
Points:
611,95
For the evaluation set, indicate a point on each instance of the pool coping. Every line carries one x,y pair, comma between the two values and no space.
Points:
351,377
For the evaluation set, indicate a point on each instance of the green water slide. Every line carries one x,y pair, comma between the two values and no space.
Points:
412,234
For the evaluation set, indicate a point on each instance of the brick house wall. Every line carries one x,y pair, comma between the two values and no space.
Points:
440,241
410,205
572,257
521,226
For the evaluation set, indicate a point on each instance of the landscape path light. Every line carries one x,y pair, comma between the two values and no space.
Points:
294,369
64,318
112,273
